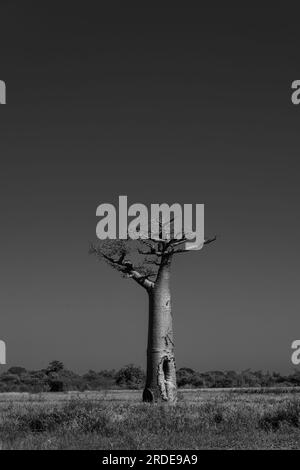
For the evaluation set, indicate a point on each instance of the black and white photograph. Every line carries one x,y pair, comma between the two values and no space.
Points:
150,229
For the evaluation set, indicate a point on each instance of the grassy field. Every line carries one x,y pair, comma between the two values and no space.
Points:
202,419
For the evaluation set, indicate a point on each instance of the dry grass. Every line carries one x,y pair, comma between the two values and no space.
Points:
117,420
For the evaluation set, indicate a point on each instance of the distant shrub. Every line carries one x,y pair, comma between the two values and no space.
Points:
102,380
55,366
56,385
17,370
130,377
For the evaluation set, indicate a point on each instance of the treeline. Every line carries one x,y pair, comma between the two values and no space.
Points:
188,378
56,378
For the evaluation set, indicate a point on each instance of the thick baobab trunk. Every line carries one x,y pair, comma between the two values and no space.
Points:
161,369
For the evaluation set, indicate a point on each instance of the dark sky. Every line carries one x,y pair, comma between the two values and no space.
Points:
188,105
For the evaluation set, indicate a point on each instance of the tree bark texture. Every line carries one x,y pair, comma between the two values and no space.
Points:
161,368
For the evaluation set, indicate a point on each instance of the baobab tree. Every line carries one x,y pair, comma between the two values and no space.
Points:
148,263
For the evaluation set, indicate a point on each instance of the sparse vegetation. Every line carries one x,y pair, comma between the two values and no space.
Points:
117,420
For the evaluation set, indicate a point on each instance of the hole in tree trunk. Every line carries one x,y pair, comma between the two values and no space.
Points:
166,369
164,377
166,383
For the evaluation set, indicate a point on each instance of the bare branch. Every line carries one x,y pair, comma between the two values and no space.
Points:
146,242
206,243
152,262
210,240
124,266
143,281
175,242
150,253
